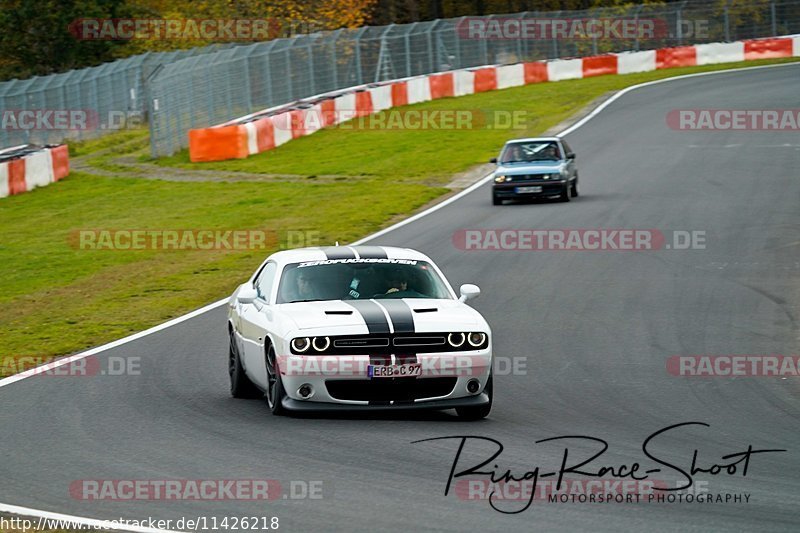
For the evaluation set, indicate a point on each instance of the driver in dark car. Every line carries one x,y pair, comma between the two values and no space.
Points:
398,286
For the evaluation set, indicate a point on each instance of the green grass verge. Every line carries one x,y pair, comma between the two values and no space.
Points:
56,299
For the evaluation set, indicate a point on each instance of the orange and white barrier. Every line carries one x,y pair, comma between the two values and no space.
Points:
256,133
33,168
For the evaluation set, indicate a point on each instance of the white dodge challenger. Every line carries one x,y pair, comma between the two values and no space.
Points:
358,328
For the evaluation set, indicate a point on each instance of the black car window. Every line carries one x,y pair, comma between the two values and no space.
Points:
360,279
264,281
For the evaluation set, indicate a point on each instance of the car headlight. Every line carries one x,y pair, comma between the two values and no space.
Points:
476,339
321,343
501,179
301,344
456,339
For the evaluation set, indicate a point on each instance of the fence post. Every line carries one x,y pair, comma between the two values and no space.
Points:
431,68
555,41
636,22
407,45
774,20
359,74
153,108
311,66
726,17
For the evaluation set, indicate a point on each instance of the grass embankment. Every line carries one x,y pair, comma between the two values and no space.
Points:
340,183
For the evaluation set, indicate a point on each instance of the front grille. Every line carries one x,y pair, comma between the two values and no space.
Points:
399,343
384,390
419,341
363,342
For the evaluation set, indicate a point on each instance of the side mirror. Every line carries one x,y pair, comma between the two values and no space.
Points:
493,160
571,155
468,292
246,295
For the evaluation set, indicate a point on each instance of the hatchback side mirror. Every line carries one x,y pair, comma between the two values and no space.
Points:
571,155
493,160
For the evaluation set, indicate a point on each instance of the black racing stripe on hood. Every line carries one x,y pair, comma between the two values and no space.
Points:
338,252
372,314
401,315
371,252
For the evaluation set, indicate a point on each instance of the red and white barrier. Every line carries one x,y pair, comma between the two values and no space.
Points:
564,69
419,90
36,169
510,76
465,82
708,54
247,136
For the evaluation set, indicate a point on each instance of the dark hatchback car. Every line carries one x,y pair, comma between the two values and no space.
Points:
535,168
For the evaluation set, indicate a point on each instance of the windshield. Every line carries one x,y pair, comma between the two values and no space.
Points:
524,152
360,279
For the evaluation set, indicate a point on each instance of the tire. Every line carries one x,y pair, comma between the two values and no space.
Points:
565,194
574,189
241,386
496,200
480,411
275,391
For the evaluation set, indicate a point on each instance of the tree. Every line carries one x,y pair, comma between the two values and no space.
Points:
35,40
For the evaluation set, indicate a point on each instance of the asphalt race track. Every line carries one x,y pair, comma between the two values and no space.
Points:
594,329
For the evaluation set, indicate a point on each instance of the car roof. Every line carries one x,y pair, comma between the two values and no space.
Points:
530,139
321,253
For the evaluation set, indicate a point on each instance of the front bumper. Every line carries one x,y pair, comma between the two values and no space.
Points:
343,382
471,401
546,188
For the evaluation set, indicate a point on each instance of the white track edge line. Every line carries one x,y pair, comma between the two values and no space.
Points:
17,377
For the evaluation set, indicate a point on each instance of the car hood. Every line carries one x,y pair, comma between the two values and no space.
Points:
534,167
429,315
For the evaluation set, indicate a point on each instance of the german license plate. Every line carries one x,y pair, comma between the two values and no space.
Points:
524,190
409,370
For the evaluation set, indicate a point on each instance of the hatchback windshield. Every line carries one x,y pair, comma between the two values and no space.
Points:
360,279
523,152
